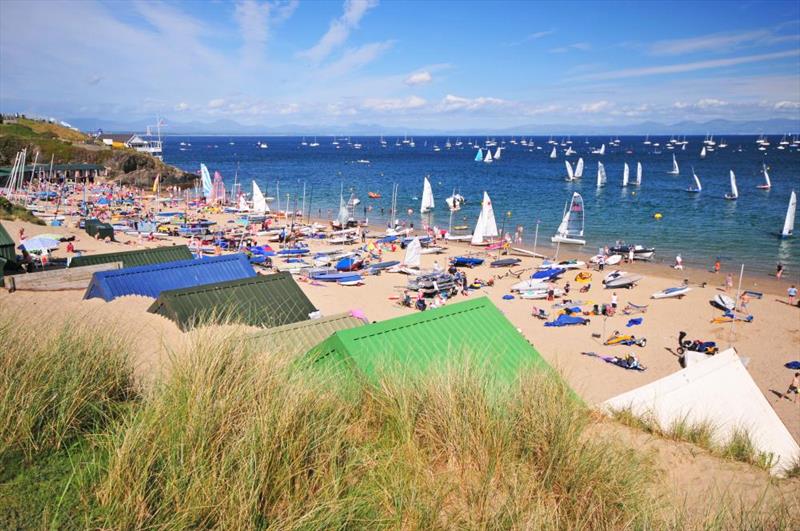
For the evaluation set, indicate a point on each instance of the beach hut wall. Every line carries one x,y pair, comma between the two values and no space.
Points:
139,257
298,338
151,280
474,331
8,253
264,300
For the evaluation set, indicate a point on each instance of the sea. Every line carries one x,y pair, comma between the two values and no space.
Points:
528,189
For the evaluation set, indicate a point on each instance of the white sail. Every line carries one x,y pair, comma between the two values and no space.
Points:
488,158
259,201
603,149
579,169
601,174
208,186
638,174
343,213
703,153
553,153
413,256
767,182
243,206
486,226
625,174
697,184
427,197
734,189
570,173
675,170
788,224
571,228
497,153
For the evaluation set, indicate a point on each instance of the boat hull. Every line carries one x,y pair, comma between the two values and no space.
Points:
565,239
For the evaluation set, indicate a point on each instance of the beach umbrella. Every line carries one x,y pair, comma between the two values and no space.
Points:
50,236
39,243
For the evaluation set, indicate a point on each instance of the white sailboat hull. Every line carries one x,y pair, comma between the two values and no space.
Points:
567,239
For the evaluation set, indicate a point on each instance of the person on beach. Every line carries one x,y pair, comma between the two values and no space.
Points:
566,289
601,263
630,255
614,300
792,293
794,389
717,266
779,270
743,302
728,283
679,262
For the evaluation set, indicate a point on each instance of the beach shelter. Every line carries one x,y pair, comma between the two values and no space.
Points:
718,390
262,300
431,340
139,257
151,280
296,339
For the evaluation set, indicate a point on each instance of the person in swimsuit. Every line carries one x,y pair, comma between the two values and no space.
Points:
794,388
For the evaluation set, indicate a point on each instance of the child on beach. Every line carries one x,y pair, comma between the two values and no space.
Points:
792,293
728,282
779,270
717,266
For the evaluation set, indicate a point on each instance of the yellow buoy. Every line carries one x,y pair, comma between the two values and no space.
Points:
658,215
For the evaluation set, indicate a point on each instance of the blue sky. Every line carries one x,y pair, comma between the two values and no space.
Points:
420,64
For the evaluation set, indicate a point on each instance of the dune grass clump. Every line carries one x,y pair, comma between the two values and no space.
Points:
235,438
58,384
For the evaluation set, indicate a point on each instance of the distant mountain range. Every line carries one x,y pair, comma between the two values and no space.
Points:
231,127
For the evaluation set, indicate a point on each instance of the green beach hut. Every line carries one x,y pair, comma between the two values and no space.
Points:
425,341
8,252
140,257
262,300
296,339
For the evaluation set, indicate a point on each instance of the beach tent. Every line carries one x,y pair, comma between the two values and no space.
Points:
139,257
431,340
151,280
298,338
264,300
8,254
718,390
95,227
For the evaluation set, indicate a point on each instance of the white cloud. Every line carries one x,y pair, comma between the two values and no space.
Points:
419,78
787,105
680,105
339,29
532,37
254,19
597,106
707,103
217,103
576,46
356,58
719,42
341,109
182,106
690,67
458,103
396,104
289,108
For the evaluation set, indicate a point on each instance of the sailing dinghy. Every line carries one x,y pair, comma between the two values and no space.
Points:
427,197
553,153
734,195
479,155
626,171
486,226
638,174
697,186
767,183
570,173
601,174
788,223
675,170
488,158
571,228
579,168
259,201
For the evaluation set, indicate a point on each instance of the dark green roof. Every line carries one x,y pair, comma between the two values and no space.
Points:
157,255
298,338
474,331
7,245
268,300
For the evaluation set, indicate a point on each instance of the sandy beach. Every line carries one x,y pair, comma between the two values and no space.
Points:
768,342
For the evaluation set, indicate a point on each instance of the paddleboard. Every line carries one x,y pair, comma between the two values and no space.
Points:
679,291
506,262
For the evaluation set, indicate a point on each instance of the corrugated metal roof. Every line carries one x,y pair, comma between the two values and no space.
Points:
139,257
298,338
422,341
151,280
268,300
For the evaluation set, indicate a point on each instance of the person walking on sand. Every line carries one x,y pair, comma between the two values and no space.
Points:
792,293
779,270
679,262
717,266
728,283
614,300
630,255
794,389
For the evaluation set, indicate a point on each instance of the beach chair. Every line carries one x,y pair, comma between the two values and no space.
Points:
632,309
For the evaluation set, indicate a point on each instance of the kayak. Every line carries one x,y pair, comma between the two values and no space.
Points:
288,252
539,293
678,291
723,302
566,264
614,259
383,265
335,277
528,285
506,262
